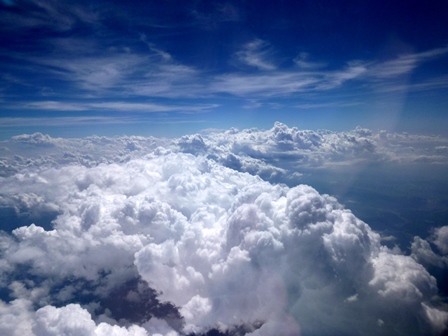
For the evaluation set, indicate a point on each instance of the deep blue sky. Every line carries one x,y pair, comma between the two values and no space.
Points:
72,68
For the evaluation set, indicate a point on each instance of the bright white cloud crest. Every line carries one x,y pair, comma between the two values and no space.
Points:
218,249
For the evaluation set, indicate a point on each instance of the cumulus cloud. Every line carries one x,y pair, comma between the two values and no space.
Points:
441,239
74,320
173,243
34,139
37,151
282,153
423,252
274,154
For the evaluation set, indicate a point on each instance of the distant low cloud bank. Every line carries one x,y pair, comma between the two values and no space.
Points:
187,236
268,153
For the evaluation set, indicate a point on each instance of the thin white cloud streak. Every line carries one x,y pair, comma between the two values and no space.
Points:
278,83
90,120
324,105
99,71
165,56
338,78
436,83
96,73
404,64
303,63
63,121
115,106
264,85
136,107
256,54
171,80
52,106
119,71
281,83
123,72
50,14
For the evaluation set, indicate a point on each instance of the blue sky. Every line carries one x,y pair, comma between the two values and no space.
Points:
175,67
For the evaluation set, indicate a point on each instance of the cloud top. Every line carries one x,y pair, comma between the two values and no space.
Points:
195,246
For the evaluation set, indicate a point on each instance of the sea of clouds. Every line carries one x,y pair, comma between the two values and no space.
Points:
196,236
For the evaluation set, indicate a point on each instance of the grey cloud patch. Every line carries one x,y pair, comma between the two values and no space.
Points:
440,239
432,251
424,254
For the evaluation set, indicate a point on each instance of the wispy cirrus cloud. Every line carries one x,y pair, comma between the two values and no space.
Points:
53,15
404,64
54,106
148,107
430,84
314,77
156,74
100,65
268,85
334,79
61,121
94,73
256,54
282,83
332,104
116,106
303,62
92,120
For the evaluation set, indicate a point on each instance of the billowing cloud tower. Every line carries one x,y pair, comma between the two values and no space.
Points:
189,246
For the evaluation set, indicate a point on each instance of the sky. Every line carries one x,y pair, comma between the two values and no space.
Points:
223,168
167,68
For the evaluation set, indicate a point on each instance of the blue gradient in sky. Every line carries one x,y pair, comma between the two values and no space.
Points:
168,68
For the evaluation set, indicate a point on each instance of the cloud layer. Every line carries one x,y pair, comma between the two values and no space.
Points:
175,243
267,153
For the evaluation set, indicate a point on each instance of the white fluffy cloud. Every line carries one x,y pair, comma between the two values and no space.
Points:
74,320
219,249
423,252
140,236
306,148
274,154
